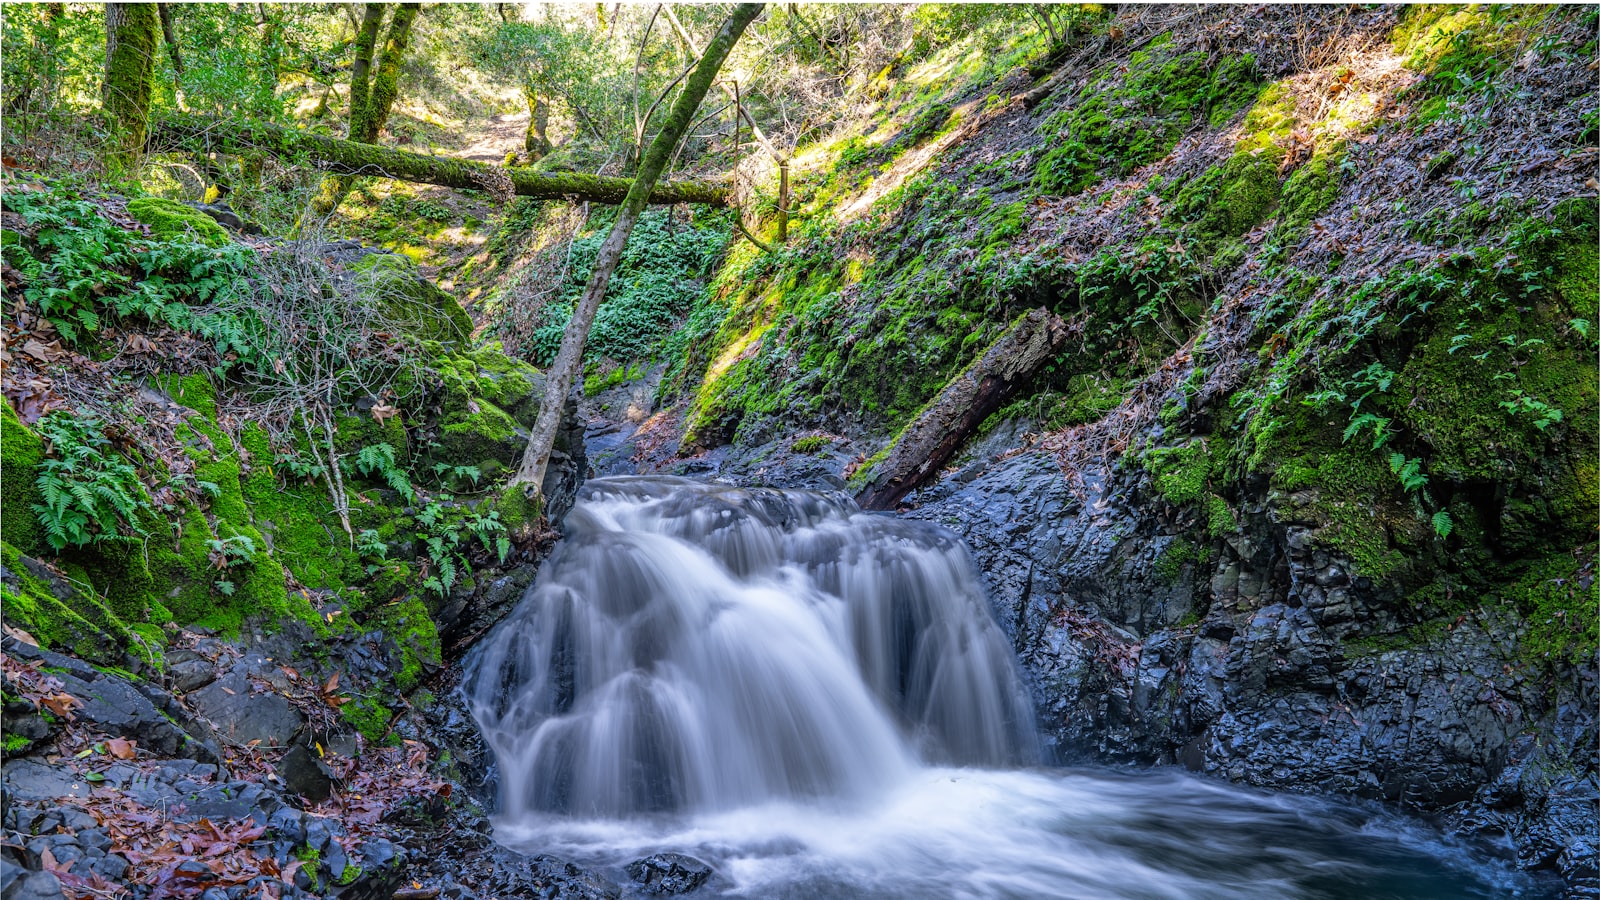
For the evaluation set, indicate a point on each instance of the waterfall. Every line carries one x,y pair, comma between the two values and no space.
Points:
694,647
815,701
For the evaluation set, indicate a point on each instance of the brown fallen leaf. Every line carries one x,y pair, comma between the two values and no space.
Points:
384,411
61,704
121,748
42,352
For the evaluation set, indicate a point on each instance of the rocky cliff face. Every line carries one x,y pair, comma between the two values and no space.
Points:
1272,664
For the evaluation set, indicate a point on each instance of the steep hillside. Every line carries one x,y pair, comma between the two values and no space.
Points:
1310,500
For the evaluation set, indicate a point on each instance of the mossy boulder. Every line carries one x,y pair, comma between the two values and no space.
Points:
57,613
20,454
169,219
487,402
409,624
411,301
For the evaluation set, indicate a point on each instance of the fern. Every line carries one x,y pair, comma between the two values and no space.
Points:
90,493
1443,524
377,460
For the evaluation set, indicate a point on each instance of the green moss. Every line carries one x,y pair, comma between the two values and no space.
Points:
1088,397
194,391
518,514
15,743
411,301
298,520
21,451
81,624
409,625
1220,519
1179,554
169,219
488,435
1307,194
1132,114
1228,200
1560,598
812,443
1180,473
368,717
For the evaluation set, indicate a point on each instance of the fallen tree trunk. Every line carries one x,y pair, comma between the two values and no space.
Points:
199,134
971,397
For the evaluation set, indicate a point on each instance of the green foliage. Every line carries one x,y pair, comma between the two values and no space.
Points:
1119,122
445,529
90,493
378,461
79,267
659,277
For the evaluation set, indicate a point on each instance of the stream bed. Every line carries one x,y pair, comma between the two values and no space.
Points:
816,702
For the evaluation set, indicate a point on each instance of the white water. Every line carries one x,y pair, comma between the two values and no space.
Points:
816,701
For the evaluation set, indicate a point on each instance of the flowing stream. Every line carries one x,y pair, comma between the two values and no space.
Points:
816,702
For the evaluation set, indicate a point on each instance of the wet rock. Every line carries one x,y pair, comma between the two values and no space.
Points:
288,824
20,885
188,671
234,800
32,781
1252,666
668,873
304,774
243,714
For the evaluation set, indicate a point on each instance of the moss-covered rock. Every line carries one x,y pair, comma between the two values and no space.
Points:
170,219
411,301
409,624
58,614
21,451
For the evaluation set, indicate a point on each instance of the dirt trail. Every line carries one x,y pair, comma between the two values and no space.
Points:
491,140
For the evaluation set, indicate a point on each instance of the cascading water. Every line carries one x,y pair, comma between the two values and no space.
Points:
816,701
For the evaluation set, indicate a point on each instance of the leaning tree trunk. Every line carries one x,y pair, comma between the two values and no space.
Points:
971,397
569,359
132,38
372,93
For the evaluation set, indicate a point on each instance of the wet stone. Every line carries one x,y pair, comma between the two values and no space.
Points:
669,873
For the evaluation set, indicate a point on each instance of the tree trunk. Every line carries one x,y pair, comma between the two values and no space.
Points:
132,39
569,360
372,92
536,142
783,201
361,71
778,156
170,34
386,77
971,397
202,134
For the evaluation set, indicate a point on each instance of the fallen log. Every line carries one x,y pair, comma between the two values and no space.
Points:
200,134
944,425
